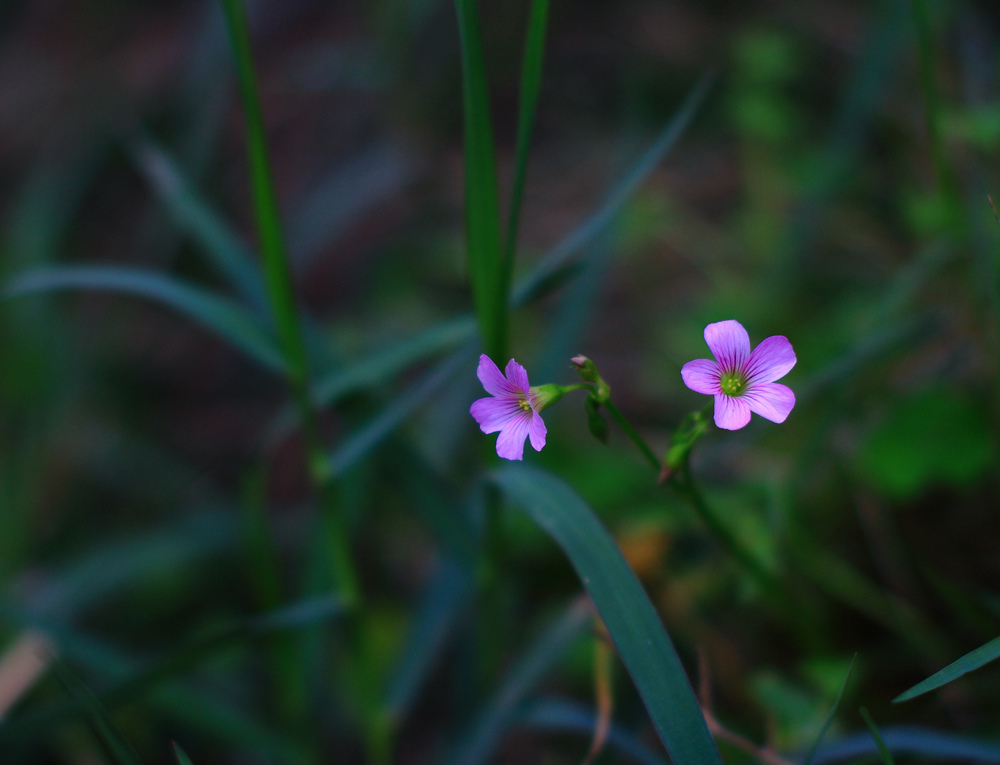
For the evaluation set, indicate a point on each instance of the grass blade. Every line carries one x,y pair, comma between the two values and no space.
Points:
446,597
192,214
829,717
277,273
188,654
565,716
905,739
487,269
883,750
632,622
359,444
536,661
557,258
181,755
531,85
118,749
972,660
219,314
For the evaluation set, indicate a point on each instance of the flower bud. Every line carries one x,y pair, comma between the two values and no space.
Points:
586,368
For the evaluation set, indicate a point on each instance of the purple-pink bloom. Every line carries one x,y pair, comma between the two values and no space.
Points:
743,381
511,408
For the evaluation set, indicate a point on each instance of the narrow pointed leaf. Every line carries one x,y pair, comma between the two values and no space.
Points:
217,313
484,252
530,668
181,755
883,750
531,84
556,259
829,717
631,620
224,251
972,660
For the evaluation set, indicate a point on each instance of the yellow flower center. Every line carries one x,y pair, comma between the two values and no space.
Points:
523,403
732,383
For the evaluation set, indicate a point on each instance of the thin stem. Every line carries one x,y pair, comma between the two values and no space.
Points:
281,293
633,434
687,488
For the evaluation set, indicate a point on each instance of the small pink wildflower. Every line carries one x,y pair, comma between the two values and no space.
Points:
512,408
742,381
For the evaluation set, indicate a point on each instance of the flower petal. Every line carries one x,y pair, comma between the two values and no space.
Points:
772,401
701,376
510,442
731,413
536,432
729,343
770,361
494,413
492,378
517,376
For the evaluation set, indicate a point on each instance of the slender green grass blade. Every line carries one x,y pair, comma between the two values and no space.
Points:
186,655
181,755
829,718
230,257
883,750
385,363
445,599
534,664
972,660
113,742
277,272
484,250
217,313
531,85
358,445
630,618
558,715
911,740
100,575
556,259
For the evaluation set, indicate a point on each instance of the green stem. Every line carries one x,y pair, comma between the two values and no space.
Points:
281,294
687,488
633,434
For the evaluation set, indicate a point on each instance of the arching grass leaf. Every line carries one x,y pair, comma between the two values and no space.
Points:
630,618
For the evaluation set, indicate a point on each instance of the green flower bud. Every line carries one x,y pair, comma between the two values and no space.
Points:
586,368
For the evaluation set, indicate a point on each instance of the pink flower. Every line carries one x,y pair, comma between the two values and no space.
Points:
512,408
742,381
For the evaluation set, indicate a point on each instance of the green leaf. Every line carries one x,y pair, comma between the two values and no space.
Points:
113,742
382,364
217,313
556,259
972,660
630,618
186,655
440,609
829,718
559,715
531,83
530,668
357,446
230,257
883,750
181,755
487,268
277,271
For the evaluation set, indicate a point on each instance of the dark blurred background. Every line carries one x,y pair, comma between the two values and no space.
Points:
831,188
